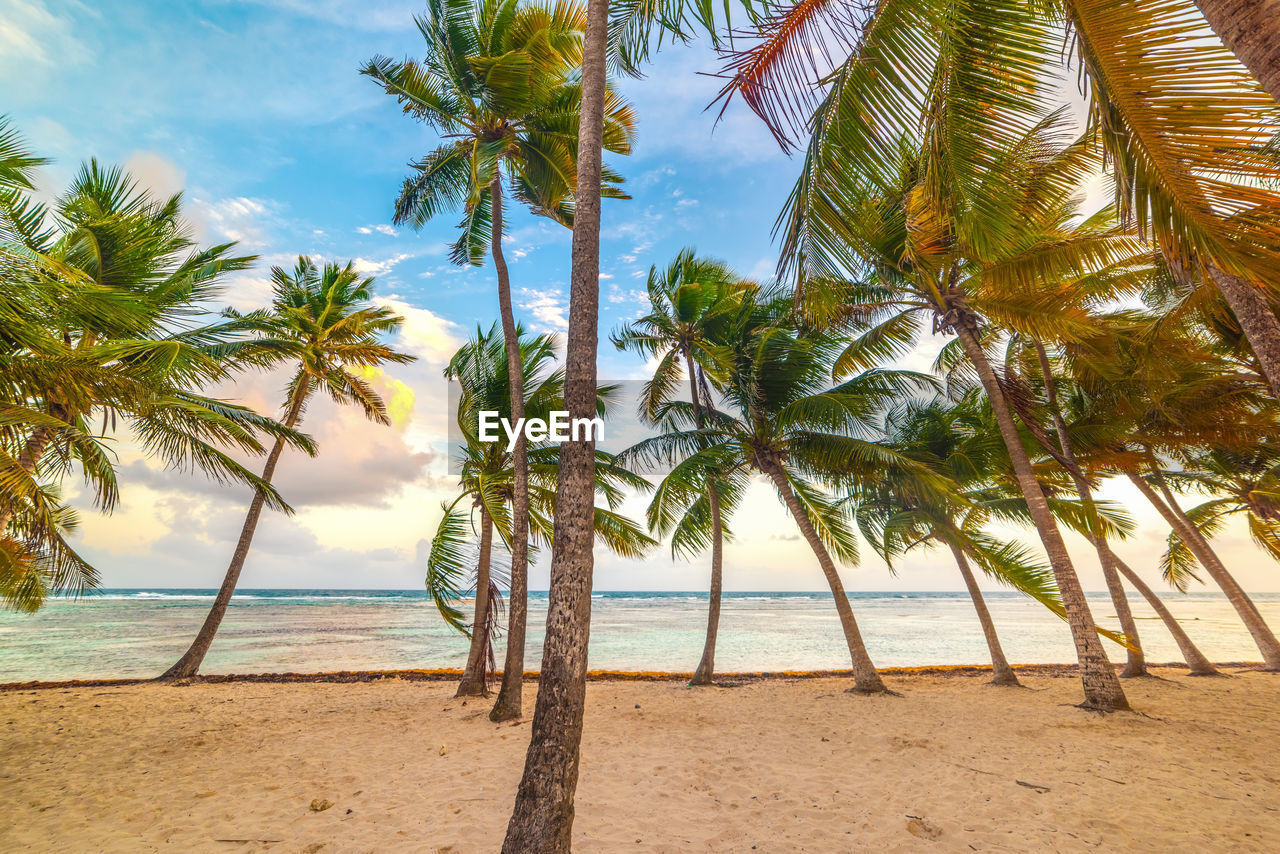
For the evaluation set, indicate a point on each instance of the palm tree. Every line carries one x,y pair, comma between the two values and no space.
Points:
321,317
1063,451
1240,481
106,286
691,305
497,82
1001,249
1185,131
487,475
542,816
1153,380
1066,455
786,424
896,515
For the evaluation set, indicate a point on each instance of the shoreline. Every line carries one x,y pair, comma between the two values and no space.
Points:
722,679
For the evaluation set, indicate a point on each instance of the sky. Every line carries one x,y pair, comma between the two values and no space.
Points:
254,110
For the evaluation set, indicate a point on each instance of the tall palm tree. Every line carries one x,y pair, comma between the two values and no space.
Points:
323,318
487,475
1186,131
786,423
498,83
108,284
692,303
542,816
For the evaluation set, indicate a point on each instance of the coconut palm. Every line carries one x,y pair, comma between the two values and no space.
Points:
783,421
322,320
1007,252
498,83
1061,449
1186,131
1241,481
542,816
487,477
1098,428
111,288
1153,381
896,516
692,303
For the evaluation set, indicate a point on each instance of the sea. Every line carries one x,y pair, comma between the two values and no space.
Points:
139,633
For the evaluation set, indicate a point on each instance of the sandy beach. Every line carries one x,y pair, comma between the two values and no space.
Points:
769,765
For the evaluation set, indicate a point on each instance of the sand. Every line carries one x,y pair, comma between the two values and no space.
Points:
775,765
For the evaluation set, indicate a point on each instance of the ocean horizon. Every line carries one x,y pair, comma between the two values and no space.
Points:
138,632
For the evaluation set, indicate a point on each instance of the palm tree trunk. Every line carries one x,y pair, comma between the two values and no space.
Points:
542,817
1251,30
475,682
1257,320
1191,654
510,702
1102,689
866,679
1249,614
1136,662
707,665
1001,672
32,452
189,664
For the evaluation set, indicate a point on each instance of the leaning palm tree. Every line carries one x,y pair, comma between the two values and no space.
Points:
1097,428
486,478
1239,482
498,82
321,317
785,422
692,303
1167,395
998,248
1020,378
896,516
107,283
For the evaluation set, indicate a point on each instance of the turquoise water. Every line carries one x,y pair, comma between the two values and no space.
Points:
121,633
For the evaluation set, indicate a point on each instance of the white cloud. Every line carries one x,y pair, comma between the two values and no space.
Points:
242,219
31,34
425,334
618,296
549,308
381,267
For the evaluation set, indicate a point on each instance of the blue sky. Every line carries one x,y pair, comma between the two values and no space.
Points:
255,110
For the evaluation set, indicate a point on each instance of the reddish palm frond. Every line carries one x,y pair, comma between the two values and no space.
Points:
783,75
